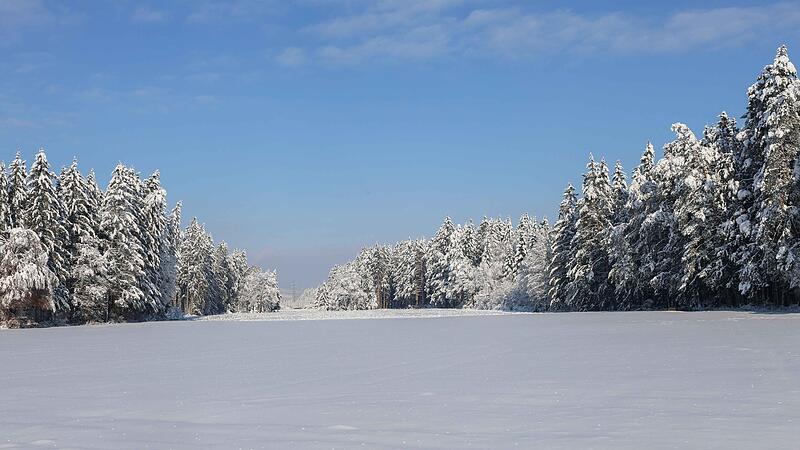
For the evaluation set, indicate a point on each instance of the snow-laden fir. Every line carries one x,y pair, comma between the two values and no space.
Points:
72,253
713,223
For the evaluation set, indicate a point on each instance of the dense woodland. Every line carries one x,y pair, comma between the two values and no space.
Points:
713,223
73,253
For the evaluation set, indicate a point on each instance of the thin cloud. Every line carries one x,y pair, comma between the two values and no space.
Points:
14,122
394,30
148,15
292,57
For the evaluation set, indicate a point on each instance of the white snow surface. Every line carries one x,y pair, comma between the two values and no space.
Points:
656,380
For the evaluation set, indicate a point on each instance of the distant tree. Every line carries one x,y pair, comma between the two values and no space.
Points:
260,292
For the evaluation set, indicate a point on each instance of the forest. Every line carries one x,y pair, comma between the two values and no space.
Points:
72,253
712,223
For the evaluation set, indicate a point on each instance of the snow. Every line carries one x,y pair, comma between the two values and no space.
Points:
716,380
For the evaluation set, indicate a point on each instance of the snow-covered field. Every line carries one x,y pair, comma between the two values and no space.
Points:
651,380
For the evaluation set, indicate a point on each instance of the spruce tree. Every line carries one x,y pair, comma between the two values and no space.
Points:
619,185
194,270
119,226
588,288
45,215
5,201
771,138
439,265
629,242
154,224
169,258
562,254
91,280
17,190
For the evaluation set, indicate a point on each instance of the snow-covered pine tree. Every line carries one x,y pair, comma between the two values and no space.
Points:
619,186
420,271
194,267
45,215
628,242
377,263
82,214
17,190
562,254
721,273
588,288
515,258
439,265
237,261
222,281
481,236
469,243
5,201
700,209
91,282
260,292
26,281
767,174
460,286
94,196
534,271
120,229
153,238
344,290
168,261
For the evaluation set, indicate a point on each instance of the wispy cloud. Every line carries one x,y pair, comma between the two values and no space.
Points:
19,15
15,122
148,15
292,57
218,11
395,30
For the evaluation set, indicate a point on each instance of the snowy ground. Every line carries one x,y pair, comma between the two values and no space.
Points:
597,380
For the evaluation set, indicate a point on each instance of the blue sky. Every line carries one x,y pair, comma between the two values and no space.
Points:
304,130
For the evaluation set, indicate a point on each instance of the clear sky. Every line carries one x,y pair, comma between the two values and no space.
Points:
301,131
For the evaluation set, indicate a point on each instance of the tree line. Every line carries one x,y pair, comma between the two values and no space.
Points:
73,253
714,222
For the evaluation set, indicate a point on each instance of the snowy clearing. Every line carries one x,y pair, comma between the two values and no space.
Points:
653,380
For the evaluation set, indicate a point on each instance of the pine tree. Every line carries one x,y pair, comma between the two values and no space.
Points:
91,280
534,275
771,138
461,285
5,201
562,254
119,226
721,243
619,186
194,266
588,288
168,271
439,265
222,279
629,243
17,191
153,235
45,216
94,194
81,212
237,261
26,281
